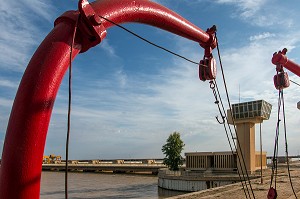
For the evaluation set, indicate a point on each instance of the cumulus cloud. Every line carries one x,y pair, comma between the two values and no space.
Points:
7,83
121,77
261,36
246,7
19,34
108,48
257,12
40,8
5,102
245,4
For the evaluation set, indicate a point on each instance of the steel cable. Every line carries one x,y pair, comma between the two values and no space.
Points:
69,108
275,152
286,147
229,104
149,42
231,148
295,83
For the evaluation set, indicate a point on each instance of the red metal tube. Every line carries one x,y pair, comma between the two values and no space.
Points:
148,12
29,120
279,58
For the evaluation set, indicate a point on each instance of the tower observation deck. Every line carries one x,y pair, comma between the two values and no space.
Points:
245,115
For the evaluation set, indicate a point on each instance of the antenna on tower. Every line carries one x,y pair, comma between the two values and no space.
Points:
239,94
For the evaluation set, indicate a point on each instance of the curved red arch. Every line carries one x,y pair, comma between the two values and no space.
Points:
148,12
29,120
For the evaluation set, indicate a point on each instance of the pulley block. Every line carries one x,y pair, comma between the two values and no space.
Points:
272,193
281,80
207,69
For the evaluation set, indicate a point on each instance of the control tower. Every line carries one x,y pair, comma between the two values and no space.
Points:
245,116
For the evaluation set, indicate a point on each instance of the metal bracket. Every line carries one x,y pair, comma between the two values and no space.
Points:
90,30
90,25
211,43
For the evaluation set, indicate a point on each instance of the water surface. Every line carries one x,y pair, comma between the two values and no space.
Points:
101,185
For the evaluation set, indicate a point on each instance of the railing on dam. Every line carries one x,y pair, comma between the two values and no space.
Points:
199,175
116,166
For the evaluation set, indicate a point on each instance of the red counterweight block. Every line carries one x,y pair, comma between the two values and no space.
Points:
281,80
207,69
272,193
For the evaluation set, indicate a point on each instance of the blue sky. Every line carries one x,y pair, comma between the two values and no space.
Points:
129,96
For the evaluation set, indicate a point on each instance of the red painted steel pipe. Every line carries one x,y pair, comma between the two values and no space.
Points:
280,58
148,12
29,120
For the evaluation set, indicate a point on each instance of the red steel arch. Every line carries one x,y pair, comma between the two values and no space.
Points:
29,120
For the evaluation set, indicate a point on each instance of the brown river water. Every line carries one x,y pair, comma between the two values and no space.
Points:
101,185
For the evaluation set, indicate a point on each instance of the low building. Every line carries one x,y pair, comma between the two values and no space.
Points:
219,161
214,161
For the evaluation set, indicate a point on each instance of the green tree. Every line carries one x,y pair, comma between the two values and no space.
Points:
172,149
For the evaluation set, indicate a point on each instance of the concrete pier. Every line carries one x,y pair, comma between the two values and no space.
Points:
260,190
115,166
191,181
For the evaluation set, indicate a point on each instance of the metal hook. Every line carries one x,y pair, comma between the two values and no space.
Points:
212,85
223,119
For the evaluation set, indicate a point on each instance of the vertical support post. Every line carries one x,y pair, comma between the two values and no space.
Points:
261,167
246,147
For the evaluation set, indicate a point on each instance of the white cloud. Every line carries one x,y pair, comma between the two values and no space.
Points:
261,36
41,8
6,102
262,13
121,77
8,83
108,48
19,34
246,7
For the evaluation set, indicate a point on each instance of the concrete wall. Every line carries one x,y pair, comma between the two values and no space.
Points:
221,161
192,181
189,185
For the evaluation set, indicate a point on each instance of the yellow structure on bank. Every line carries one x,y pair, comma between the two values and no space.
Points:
245,116
51,159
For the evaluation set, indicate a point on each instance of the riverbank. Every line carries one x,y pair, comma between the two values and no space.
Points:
260,190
